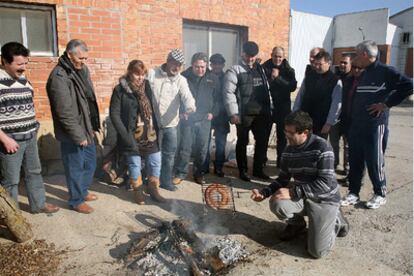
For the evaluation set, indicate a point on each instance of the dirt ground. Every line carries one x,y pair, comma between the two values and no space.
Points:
379,243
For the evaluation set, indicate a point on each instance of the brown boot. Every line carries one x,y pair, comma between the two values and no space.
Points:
153,189
135,184
138,190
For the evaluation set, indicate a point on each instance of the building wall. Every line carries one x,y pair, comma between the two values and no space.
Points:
385,53
374,24
307,31
119,31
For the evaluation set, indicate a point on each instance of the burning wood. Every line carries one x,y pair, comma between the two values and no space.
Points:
175,249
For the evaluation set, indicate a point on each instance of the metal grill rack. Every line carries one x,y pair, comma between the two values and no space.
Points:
217,197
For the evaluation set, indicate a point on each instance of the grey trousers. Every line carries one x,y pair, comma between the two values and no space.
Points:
322,220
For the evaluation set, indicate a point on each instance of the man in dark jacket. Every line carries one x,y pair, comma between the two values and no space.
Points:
282,82
75,120
320,95
335,134
380,88
220,123
248,103
195,128
313,192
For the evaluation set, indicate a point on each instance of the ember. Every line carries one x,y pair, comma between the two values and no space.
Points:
175,249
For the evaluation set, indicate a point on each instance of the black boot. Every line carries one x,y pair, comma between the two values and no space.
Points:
243,176
292,231
342,225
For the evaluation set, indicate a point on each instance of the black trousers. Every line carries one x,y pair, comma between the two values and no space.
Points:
258,125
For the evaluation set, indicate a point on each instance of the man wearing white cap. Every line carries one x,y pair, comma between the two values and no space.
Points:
170,91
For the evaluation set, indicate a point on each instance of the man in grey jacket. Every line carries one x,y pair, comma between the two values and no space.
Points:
75,120
170,91
248,103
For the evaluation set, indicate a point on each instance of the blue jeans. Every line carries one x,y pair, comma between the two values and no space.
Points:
192,134
80,164
152,165
27,156
168,142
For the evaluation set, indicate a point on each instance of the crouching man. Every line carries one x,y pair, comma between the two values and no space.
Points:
314,192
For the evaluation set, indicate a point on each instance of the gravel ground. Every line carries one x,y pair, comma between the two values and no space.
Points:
379,243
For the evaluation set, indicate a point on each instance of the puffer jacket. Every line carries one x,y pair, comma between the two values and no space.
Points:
238,90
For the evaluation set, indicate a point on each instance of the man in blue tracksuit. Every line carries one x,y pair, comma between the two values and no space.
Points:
380,88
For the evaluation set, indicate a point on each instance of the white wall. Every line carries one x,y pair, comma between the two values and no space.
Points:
373,22
306,32
403,20
393,39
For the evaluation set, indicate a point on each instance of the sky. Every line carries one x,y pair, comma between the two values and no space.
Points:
334,7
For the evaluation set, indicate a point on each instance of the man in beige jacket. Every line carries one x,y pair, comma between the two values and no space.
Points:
170,95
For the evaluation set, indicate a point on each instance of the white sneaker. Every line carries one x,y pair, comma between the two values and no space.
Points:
375,202
350,199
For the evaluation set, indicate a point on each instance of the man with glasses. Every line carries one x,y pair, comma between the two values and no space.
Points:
313,191
380,88
320,95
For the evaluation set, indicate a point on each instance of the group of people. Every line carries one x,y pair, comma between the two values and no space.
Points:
163,118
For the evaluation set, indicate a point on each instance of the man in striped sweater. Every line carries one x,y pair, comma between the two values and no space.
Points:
314,192
18,130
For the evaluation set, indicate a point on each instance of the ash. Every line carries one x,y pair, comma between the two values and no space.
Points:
162,261
229,251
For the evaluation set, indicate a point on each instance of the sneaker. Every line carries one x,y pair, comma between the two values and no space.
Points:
375,202
350,199
292,231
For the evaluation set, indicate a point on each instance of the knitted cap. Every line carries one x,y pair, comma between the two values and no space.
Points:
250,48
177,55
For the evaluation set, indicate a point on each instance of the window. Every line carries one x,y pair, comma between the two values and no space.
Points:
405,38
211,39
33,26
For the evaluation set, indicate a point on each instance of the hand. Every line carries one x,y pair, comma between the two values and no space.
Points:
256,195
377,109
184,116
326,128
84,143
282,193
275,73
235,120
10,145
210,116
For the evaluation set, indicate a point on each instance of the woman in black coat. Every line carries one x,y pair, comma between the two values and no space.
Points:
132,115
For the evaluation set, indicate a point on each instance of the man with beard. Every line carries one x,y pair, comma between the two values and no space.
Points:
282,82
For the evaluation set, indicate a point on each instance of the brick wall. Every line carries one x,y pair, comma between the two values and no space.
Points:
119,31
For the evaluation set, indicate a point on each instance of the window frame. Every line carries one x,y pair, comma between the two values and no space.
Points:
23,27
209,27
